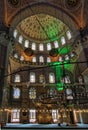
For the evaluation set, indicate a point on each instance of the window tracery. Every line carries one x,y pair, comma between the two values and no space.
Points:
17,78
63,40
51,78
32,77
41,47
16,93
33,46
26,43
48,46
32,93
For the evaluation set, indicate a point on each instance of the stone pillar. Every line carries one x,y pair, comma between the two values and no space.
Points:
72,121
5,41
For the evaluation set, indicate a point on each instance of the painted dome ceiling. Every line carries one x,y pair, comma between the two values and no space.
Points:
45,36
41,27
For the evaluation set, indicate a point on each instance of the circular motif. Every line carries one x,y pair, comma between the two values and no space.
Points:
14,2
43,28
28,52
72,4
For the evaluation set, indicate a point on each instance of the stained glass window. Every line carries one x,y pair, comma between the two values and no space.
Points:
69,36
34,59
60,59
32,115
32,77
69,94
20,39
56,44
80,79
26,44
51,78
48,46
48,60
17,78
16,55
41,78
63,40
21,58
66,79
33,46
55,115
16,93
15,33
32,93
41,59
66,57
15,115
41,47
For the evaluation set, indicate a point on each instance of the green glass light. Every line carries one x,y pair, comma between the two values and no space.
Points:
59,86
57,66
64,50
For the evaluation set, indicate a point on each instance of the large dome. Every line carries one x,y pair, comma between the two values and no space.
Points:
42,34
42,27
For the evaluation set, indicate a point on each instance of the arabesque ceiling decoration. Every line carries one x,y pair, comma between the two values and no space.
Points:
42,27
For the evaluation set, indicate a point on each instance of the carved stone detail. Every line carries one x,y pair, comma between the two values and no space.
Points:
14,2
72,4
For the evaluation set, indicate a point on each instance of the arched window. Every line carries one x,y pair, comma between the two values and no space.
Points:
55,115
32,115
26,43
15,33
66,57
69,94
41,59
72,54
32,77
80,79
41,78
63,40
16,93
17,78
34,59
69,36
21,58
48,60
56,44
51,78
16,55
48,46
32,93
41,47
33,46
20,39
66,79
60,59
15,115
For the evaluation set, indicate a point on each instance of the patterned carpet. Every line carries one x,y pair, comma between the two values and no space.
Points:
11,126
